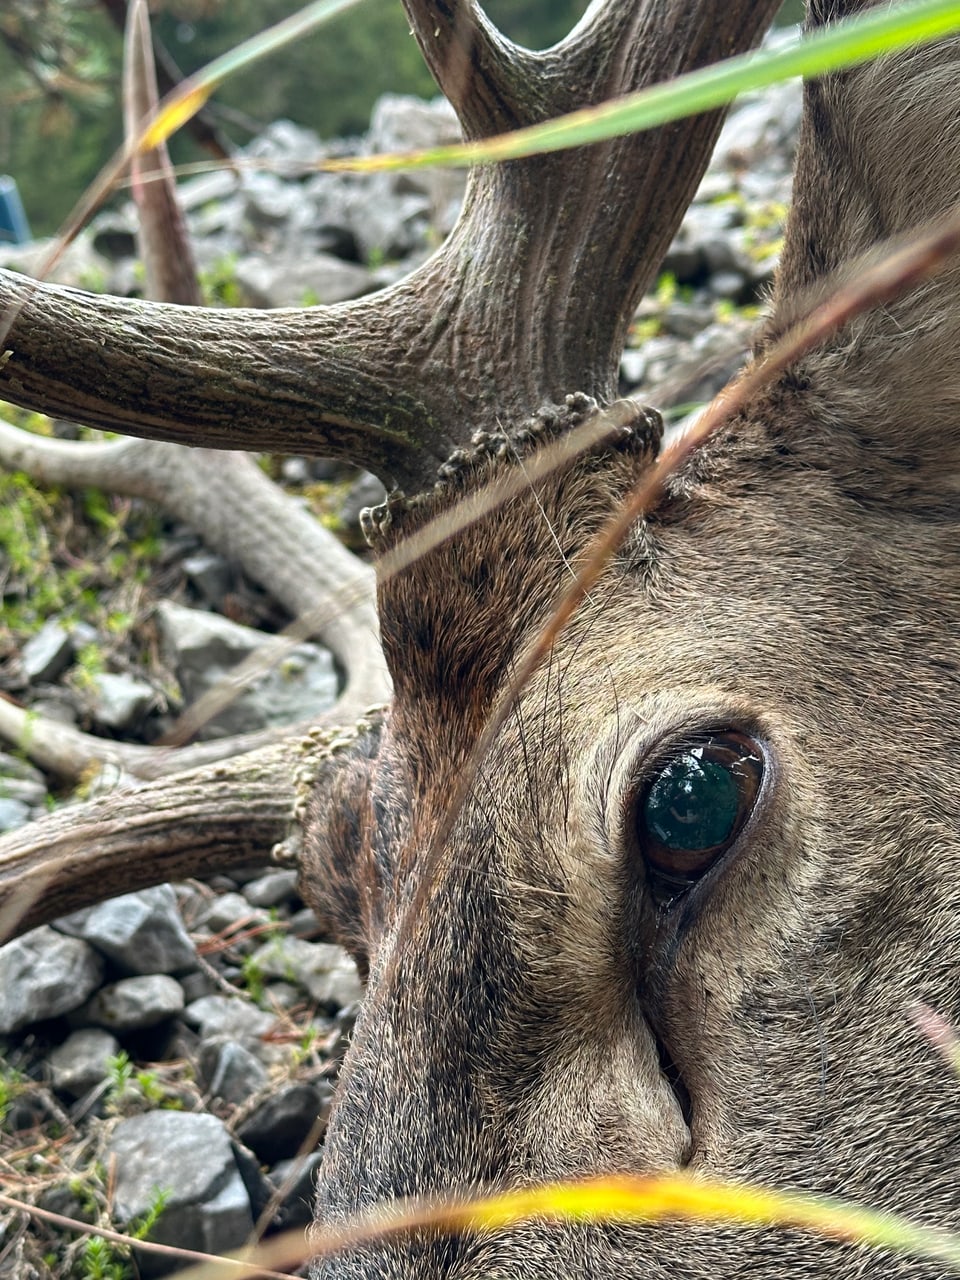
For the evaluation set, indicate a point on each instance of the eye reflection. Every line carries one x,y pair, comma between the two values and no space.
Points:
696,805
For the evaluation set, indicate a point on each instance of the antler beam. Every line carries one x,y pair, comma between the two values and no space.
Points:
528,299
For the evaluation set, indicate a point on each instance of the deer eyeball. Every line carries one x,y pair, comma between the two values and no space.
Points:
695,806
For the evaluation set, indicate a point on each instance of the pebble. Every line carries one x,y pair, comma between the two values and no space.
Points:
278,1127
324,970
140,932
80,1063
44,974
230,1071
191,1159
134,1003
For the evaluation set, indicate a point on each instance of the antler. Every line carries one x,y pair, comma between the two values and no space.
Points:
528,299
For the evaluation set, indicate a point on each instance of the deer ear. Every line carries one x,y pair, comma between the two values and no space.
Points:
879,154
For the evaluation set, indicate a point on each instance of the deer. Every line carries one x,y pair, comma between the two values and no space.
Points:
675,913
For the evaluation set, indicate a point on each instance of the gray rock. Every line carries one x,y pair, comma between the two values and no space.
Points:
25,790
190,1157
206,189
268,201
22,771
211,574
57,704
47,654
271,890
227,910
204,647
140,932
80,1063
279,1126
42,975
230,1071
234,1019
388,225
282,995
282,140
114,236
729,284
134,1003
13,813
304,924
633,366
324,970
120,701
292,280
296,1208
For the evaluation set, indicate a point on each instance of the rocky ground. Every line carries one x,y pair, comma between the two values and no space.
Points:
167,1059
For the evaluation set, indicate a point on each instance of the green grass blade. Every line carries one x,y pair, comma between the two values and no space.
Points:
842,45
187,99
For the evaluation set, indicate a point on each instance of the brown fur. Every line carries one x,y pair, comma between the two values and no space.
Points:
801,581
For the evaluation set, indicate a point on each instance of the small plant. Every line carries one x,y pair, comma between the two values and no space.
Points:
120,1076
253,978
100,1260
11,1085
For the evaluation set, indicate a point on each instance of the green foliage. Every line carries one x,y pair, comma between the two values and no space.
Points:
11,1085
59,63
219,283
253,978
100,1260
103,1260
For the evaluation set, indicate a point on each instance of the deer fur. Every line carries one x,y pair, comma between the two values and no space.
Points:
531,1013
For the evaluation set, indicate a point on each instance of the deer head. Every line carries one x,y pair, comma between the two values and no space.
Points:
682,904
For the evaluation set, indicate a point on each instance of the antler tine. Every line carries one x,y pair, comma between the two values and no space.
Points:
484,76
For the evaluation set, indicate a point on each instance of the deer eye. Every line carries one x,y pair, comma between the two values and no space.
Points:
696,805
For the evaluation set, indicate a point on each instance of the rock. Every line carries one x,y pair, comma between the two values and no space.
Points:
228,909
140,932
282,1122
321,968
21,782
211,574
47,654
633,366
271,890
44,974
292,280
13,813
134,1003
79,265
114,235
304,924
230,1071
226,1016
268,200
57,704
296,1208
206,189
282,140
120,700
191,1158
80,1063
204,647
